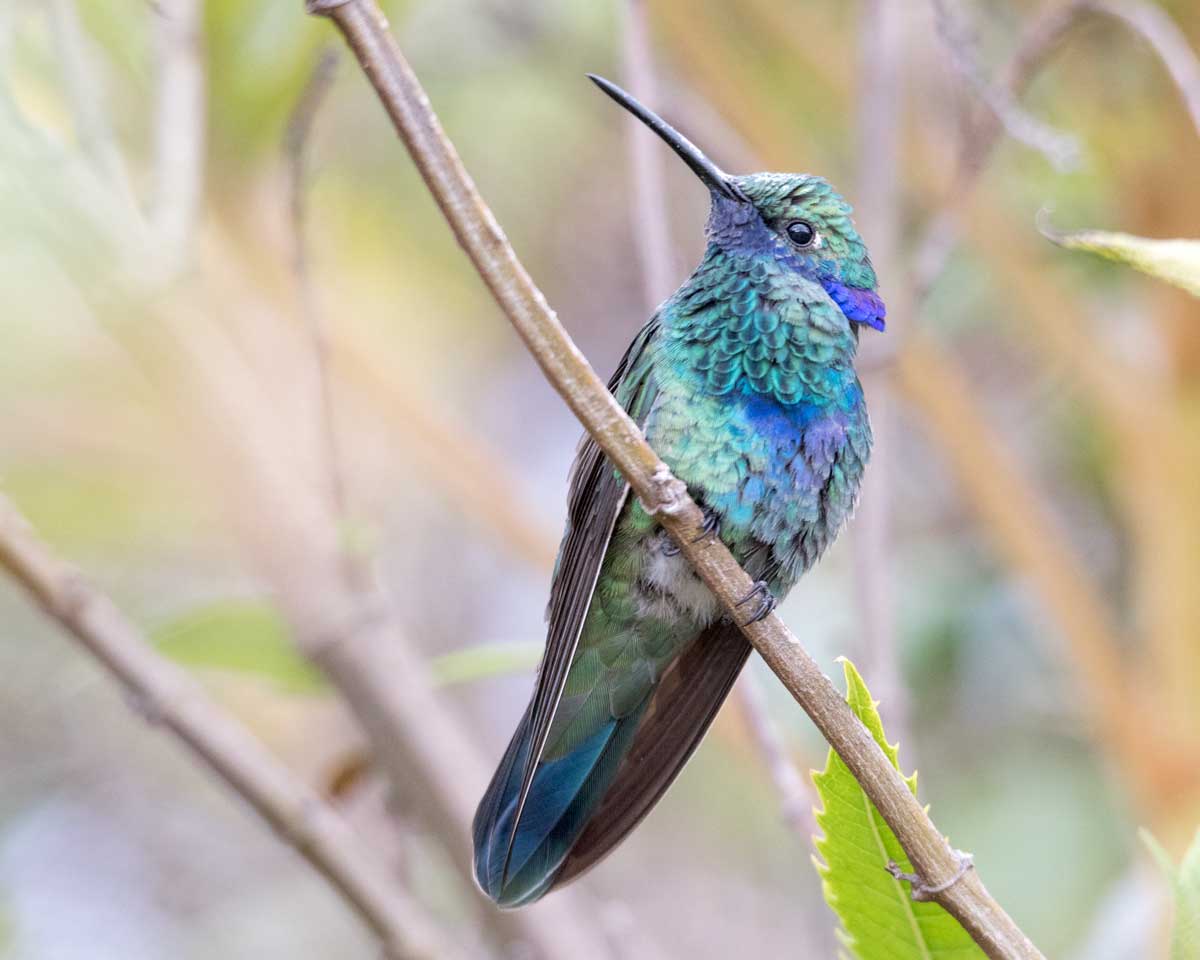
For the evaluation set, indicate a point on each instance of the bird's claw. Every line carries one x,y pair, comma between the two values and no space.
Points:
710,527
766,601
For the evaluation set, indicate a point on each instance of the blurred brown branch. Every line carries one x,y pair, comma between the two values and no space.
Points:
1158,29
1143,423
979,455
1013,511
350,631
648,199
881,56
165,695
90,119
797,798
1038,43
179,124
296,150
665,497
470,474
352,634
1062,150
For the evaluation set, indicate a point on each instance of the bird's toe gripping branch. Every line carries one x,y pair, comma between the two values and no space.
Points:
711,528
922,891
766,601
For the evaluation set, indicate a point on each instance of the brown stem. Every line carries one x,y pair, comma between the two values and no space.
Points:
648,198
797,800
166,696
665,497
179,125
349,631
296,151
882,46
1038,44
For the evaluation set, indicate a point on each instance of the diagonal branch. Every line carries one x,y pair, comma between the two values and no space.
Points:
349,631
1062,150
167,696
1038,44
665,497
1156,27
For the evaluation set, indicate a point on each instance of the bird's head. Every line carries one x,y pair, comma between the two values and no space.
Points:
800,221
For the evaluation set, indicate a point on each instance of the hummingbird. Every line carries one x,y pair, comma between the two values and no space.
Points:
743,382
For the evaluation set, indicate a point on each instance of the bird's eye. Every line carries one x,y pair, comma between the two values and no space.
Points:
801,233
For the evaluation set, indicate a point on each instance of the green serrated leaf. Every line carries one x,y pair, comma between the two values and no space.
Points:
1185,890
242,636
880,919
1176,261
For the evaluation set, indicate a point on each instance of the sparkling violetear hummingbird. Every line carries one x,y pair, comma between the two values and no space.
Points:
744,384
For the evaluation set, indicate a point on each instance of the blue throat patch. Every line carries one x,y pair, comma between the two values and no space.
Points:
861,306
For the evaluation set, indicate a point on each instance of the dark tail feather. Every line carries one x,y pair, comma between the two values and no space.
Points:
584,804
681,709
562,797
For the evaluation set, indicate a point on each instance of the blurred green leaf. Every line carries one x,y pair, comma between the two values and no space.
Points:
1185,889
880,919
245,636
1176,261
242,636
481,662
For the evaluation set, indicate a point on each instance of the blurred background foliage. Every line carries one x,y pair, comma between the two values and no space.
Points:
143,385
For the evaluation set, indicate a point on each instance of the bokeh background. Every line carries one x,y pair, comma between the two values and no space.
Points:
1019,588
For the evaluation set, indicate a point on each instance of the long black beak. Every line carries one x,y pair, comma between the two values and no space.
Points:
716,178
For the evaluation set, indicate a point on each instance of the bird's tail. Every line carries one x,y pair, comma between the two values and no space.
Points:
517,869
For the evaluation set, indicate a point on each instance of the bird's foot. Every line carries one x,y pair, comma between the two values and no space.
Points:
766,601
922,891
710,528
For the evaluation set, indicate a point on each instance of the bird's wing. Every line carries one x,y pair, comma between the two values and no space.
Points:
683,705
597,494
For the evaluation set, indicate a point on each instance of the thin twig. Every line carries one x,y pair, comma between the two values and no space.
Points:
1001,494
1039,42
1157,28
664,497
1035,545
167,697
796,797
296,151
359,654
464,467
179,125
351,633
84,93
1062,150
648,199
882,47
